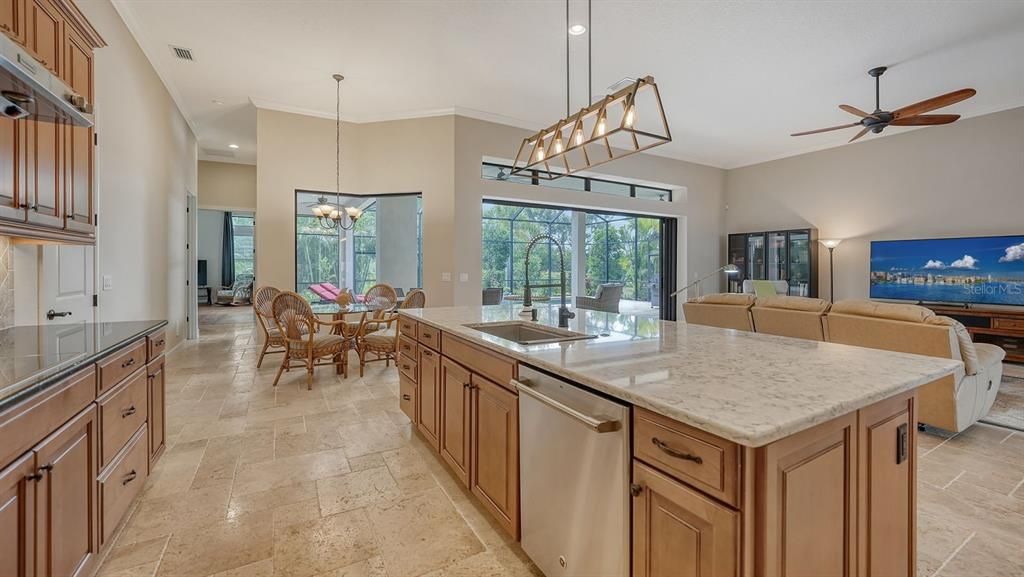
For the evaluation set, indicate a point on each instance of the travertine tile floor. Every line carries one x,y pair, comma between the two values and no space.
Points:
332,482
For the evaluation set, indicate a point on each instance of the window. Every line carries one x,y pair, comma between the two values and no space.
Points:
624,249
242,240
491,171
507,231
364,237
317,255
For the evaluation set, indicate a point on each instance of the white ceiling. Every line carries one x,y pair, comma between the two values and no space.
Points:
736,77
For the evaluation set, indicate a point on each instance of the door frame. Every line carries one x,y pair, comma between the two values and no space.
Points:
191,266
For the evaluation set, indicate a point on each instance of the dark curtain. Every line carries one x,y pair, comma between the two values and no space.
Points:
227,257
669,245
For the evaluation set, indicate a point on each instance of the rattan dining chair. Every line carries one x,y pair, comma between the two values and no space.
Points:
305,345
262,303
416,299
380,341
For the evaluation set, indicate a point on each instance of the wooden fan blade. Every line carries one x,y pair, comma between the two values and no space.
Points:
856,111
859,134
933,103
826,129
925,120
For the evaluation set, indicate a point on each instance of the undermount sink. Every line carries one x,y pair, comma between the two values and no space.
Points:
528,333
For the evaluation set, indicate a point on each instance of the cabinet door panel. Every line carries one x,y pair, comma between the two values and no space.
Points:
78,158
888,491
44,33
12,19
429,396
494,469
678,532
157,431
66,511
12,156
44,170
17,533
454,440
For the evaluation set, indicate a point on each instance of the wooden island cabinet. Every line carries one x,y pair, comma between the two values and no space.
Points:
47,167
837,498
73,458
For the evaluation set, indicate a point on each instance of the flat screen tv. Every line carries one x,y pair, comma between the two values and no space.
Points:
974,270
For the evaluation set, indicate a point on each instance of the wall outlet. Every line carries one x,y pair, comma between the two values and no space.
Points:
108,282
446,277
463,277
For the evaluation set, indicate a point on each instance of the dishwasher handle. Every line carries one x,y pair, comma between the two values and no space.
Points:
598,424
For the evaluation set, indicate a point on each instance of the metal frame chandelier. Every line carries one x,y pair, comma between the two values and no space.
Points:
331,216
629,120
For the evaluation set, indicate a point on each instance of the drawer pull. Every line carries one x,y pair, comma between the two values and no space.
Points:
128,412
129,477
160,343
406,398
128,363
674,452
406,367
427,353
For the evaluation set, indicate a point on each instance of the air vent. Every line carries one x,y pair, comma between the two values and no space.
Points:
621,84
182,53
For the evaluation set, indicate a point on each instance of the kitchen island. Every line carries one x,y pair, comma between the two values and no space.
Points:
81,424
748,454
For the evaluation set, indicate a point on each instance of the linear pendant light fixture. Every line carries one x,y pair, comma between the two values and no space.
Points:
629,120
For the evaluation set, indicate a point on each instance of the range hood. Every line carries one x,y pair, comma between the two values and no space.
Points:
28,90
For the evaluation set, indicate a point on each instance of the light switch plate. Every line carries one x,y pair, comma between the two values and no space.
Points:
446,277
463,277
108,282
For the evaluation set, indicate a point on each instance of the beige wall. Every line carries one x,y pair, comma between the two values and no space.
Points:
440,157
227,186
964,179
145,163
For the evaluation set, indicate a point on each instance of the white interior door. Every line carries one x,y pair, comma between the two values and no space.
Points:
66,284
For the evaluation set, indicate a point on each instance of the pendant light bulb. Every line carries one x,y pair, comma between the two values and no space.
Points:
601,128
540,148
630,116
559,146
578,137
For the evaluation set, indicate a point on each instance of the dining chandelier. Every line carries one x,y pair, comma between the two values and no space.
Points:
629,120
331,216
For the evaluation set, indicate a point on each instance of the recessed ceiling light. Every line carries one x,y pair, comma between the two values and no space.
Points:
233,146
218,102
577,29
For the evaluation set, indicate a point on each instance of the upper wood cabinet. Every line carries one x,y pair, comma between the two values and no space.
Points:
12,184
78,149
12,19
45,33
17,517
44,173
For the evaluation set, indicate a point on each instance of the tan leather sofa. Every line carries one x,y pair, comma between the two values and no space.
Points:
954,402
725,310
796,317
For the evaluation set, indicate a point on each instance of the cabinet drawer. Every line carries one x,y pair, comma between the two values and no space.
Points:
1008,324
155,344
30,421
495,367
121,482
122,411
407,366
407,396
430,336
407,327
116,368
702,460
408,347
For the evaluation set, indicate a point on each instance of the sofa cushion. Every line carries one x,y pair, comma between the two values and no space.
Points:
968,351
725,299
793,303
896,312
989,355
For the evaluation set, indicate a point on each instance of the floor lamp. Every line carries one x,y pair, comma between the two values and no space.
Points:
831,244
727,269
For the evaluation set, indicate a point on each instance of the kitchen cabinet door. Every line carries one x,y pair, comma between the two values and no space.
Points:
12,184
44,170
494,451
888,487
678,531
157,411
454,438
428,399
44,33
17,519
78,157
12,19
66,505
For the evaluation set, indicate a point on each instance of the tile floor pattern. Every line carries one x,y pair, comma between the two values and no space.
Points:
262,482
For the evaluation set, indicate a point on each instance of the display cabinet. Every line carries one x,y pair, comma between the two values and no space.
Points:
789,255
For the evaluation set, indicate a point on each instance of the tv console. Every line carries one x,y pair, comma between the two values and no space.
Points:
1001,327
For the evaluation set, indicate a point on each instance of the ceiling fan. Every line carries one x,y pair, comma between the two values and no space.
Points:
912,115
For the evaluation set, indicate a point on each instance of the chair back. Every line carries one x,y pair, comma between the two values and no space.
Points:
293,315
492,295
781,286
797,317
416,299
263,300
380,298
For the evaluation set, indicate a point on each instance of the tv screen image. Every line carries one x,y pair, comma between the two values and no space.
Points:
979,270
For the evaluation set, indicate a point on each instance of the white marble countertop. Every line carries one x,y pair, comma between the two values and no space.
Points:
751,389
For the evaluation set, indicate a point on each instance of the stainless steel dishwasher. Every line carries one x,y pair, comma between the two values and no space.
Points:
574,478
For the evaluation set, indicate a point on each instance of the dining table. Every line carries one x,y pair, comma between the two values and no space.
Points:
338,313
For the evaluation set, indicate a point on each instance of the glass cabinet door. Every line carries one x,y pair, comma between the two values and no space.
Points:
799,263
738,258
755,257
776,269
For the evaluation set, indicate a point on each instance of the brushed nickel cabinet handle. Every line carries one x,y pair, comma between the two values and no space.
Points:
675,452
128,363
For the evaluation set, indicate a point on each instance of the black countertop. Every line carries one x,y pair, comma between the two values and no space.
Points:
35,357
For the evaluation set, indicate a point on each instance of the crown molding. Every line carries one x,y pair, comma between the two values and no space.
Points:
225,160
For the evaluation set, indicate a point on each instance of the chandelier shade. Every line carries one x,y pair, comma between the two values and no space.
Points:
627,121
